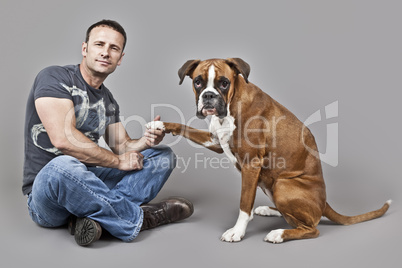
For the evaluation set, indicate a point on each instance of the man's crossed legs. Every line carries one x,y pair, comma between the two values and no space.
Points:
110,197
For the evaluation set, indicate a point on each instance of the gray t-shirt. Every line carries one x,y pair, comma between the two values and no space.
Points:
95,109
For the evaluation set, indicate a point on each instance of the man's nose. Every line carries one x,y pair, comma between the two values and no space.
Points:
105,51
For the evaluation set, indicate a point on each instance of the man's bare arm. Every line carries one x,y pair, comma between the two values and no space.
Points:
120,142
58,118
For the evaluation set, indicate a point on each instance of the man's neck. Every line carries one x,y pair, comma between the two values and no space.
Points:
92,80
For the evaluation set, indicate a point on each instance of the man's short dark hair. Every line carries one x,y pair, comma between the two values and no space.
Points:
109,23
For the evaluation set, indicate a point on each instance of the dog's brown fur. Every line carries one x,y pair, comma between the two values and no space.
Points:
297,187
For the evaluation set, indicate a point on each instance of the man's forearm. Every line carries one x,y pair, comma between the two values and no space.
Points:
152,137
120,142
88,152
137,145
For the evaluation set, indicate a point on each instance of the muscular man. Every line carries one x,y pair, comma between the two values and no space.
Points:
68,178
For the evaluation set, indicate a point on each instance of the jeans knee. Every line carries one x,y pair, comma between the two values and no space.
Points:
55,172
160,158
64,161
169,156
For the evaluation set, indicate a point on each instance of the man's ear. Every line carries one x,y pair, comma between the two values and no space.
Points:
121,59
239,66
187,69
84,49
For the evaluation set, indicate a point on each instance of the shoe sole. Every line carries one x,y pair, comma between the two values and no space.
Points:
87,231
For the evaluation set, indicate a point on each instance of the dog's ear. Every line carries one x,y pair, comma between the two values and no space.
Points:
240,66
187,69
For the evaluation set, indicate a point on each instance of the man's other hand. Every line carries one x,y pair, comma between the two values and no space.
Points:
131,161
154,136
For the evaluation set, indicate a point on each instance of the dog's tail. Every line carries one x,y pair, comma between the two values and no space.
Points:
348,220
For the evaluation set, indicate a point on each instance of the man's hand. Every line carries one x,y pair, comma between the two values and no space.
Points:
131,161
154,136
120,142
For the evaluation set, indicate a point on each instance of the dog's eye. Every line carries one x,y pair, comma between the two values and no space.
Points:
224,85
197,83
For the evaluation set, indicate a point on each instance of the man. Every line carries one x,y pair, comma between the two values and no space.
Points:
68,178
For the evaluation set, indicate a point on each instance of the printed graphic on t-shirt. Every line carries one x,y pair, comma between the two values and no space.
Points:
91,119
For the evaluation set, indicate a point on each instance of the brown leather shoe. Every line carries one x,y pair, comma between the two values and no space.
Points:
169,210
85,230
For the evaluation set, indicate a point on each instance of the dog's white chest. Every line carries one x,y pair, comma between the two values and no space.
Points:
222,130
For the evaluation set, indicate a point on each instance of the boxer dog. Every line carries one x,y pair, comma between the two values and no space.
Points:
250,128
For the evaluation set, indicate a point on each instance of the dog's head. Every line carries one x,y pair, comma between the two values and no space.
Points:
214,83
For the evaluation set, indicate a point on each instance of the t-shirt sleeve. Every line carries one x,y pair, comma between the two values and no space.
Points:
113,111
51,82
117,114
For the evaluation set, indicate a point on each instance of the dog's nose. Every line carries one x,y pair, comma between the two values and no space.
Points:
208,95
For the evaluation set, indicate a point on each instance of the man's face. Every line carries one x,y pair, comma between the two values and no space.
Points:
104,51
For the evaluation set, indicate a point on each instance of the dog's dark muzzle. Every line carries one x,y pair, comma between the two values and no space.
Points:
209,96
211,101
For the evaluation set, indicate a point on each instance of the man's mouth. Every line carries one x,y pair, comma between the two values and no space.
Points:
103,62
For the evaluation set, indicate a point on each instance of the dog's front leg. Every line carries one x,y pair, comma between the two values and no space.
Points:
200,137
250,177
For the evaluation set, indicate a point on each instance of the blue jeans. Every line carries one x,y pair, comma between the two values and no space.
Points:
109,196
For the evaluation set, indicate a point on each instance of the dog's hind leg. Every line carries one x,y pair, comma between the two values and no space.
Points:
302,231
281,235
301,206
267,211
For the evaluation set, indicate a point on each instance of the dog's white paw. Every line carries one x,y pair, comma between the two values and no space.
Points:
275,236
155,125
232,235
267,211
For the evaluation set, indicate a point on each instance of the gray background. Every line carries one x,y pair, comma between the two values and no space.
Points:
305,54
